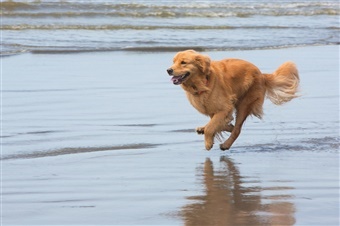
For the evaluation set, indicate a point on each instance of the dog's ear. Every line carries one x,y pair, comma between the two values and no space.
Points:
203,62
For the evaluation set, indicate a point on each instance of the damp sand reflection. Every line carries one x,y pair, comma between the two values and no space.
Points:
230,199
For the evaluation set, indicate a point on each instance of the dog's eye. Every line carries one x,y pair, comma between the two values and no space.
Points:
183,62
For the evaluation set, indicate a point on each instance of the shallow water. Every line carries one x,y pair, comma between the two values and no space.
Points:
107,139
95,138
54,26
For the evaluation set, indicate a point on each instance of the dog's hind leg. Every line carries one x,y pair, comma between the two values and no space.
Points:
241,116
243,110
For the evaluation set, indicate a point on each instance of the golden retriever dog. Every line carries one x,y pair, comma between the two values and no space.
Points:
219,89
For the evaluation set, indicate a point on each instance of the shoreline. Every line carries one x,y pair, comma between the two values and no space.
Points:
139,50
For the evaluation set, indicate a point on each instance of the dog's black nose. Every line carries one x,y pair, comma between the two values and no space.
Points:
170,71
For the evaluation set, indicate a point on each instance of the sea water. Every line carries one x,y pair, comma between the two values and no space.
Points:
49,26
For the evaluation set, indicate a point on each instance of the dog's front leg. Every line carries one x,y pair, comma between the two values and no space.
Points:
228,126
216,124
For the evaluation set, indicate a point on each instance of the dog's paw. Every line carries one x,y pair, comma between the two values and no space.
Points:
209,145
224,147
200,130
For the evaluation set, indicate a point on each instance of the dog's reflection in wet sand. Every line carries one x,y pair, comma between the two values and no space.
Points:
229,201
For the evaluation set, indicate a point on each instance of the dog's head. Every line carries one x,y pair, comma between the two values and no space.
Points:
187,64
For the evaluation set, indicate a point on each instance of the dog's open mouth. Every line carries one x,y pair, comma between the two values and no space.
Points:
179,79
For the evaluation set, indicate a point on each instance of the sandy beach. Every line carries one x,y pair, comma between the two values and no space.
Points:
106,139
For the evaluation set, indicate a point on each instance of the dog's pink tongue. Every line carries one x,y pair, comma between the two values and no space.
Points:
174,79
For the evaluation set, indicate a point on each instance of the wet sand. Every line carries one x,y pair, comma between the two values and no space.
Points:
106,139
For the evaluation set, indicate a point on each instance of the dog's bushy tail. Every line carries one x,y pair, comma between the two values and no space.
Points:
283,84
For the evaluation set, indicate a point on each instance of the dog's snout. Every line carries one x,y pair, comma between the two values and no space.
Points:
170,71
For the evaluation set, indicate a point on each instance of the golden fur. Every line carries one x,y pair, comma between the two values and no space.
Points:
220,88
